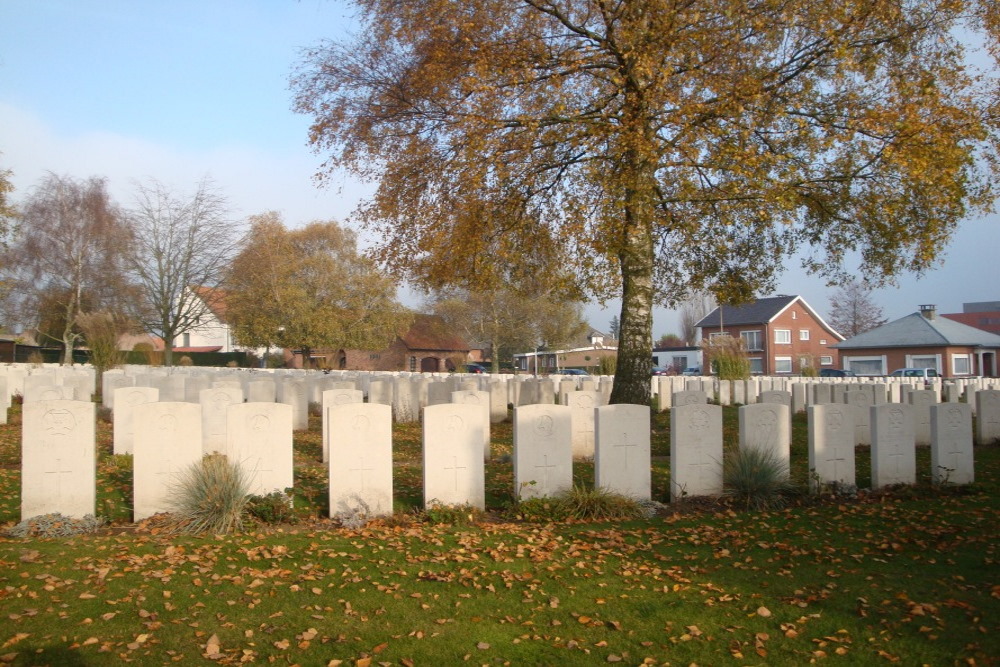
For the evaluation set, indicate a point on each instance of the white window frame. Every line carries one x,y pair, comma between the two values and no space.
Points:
967,358
759,336
803,334
920,361
845,363
822,341
785,334
826,360
782,360
759,363
717,334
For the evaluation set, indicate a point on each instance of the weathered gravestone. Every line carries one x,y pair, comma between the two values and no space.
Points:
481,399
622,457
380,392
332,398
295,393
454,473
215,404
47,392
689,397
360,470
831,445
951,444
58,471
582,405
498,401
695,450
862,400
894,459
261,391
543,460
405,401
194,386
987,416
168,443
172,387
438,392
766,427
259,439
922,400
126,400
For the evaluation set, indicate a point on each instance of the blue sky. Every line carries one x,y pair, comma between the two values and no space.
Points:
182,89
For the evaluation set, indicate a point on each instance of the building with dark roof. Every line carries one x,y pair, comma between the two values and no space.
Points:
983,315
428,345
783,334
922,340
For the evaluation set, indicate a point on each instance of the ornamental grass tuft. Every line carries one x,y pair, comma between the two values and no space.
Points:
210,497
757,478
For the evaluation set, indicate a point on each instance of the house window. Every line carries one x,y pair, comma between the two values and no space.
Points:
679,363
924,361
803,334
865,365
782,364
716,334
783,337
756,365
826,361
374,356
752,339
186,341
822,341
961,364
413,364
795,315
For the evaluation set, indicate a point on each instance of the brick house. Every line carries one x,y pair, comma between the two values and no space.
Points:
782,334
922,340
584,353
427,346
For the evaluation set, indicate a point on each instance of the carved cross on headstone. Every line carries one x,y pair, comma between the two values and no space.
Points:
362,470
456,468
545,466
625,445
58,472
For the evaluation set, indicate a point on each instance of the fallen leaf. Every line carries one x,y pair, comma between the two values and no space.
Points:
763,612
482,646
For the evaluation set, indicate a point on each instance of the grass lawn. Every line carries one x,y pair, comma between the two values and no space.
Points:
909,577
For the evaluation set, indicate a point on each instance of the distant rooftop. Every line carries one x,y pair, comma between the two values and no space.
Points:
916,330
981,307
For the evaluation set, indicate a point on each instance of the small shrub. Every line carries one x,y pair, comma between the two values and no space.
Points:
210,497
56,525
757,478
36,359
607,365
727,356
274,507
315,409
185,361
456,515
598,504
232,364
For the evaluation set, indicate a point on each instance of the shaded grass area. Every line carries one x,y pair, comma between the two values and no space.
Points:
908,577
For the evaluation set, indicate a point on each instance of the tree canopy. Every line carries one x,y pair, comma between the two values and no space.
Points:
179,243
658,146
309,288
67,255
853,311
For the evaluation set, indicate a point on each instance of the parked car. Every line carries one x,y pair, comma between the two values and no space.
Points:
835,373
660,370
570,371
475,368
692,371
914,373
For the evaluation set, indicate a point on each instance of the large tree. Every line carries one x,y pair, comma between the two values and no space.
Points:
309,288
657,146
509,320
853,311
66,255
179,243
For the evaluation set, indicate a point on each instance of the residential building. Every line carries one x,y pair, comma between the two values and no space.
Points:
783,335
427,346
584,353
677,358
983,315
922,340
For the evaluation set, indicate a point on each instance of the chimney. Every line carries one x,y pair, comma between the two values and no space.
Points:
929,311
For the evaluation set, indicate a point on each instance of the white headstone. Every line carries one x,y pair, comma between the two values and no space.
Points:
951,444
622,461
261,391
215,403
168,442
894,459
689,397
126,400
543,464
58,459
987,416
295,393
482,400
766,427
360,458
332,398
695,450
831,444
454,473
582,405
259,438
